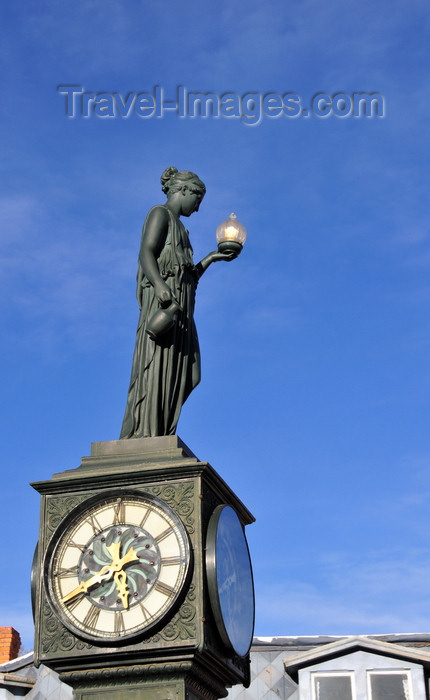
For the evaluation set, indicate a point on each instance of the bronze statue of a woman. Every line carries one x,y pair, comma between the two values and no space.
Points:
166,362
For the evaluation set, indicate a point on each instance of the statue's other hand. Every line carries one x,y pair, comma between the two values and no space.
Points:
163,294
216,256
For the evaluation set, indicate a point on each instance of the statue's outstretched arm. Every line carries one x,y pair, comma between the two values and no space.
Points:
214,256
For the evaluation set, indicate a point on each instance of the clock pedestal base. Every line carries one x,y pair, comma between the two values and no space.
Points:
165,690
181,657
174,681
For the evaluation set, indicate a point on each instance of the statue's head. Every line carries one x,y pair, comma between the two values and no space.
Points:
173,180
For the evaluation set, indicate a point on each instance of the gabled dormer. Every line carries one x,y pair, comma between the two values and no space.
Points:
360,668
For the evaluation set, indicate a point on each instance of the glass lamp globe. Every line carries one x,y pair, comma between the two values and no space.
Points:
230,235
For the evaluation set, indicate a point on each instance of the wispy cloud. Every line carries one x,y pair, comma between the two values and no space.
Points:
363,594
20,212
64,279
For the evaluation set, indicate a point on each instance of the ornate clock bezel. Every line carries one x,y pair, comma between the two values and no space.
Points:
70,524
227,609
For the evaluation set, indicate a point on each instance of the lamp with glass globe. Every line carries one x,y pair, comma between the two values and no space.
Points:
231,235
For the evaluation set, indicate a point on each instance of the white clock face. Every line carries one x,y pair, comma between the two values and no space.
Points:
117,567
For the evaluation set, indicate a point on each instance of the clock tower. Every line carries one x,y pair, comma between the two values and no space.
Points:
142,581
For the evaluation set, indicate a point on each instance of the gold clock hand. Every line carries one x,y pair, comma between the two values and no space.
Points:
105,572
120,579
130,556
118,563
113,550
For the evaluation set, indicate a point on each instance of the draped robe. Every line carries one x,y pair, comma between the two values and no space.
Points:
165,370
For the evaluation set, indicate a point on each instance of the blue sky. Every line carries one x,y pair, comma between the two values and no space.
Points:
314,402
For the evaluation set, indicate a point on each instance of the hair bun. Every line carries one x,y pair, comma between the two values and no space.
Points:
166,177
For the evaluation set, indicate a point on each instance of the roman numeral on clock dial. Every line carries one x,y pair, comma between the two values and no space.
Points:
145,518
170,561
73,603
90,619
162,536
119,512
72,572
76,545
119,623
146,613
96,527
164,588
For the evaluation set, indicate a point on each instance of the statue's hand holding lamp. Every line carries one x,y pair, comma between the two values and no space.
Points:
231,236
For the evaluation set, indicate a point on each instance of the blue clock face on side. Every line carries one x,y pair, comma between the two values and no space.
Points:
230,581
